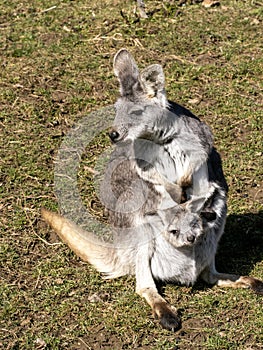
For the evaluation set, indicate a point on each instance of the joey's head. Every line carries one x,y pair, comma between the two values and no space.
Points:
185,224
183,228
142,97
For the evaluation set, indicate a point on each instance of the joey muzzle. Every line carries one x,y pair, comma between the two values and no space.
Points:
191,238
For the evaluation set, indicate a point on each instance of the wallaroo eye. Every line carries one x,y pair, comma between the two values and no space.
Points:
174,232
136,112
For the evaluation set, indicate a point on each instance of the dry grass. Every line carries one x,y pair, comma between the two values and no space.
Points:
56,67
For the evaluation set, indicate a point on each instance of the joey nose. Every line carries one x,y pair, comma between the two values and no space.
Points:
191,238
114,135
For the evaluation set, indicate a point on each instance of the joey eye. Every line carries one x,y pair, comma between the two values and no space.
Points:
174,232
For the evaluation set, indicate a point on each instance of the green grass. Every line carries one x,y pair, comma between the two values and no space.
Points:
56,67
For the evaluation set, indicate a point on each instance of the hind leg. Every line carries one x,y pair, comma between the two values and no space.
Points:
165,313
146,288
211,276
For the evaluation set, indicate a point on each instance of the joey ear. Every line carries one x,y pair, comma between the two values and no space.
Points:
195,205
153,81
203,203
126,70
168,215
208,215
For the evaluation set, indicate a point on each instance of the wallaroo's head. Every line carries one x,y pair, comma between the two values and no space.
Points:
142,95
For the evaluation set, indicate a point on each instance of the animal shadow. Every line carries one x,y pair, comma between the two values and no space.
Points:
241,246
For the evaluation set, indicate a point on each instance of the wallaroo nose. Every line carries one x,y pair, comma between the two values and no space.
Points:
113,134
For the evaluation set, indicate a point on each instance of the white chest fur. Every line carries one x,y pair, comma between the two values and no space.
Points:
185,264
174,265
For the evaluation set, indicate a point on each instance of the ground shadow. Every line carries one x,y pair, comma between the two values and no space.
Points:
241,246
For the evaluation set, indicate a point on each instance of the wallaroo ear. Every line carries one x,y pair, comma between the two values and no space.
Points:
126,70
153,80
208,215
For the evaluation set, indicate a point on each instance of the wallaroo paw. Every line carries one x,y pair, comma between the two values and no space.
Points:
170,321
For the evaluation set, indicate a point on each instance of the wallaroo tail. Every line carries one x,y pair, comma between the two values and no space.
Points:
86,245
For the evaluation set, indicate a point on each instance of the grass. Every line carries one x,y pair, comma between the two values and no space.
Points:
56,67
